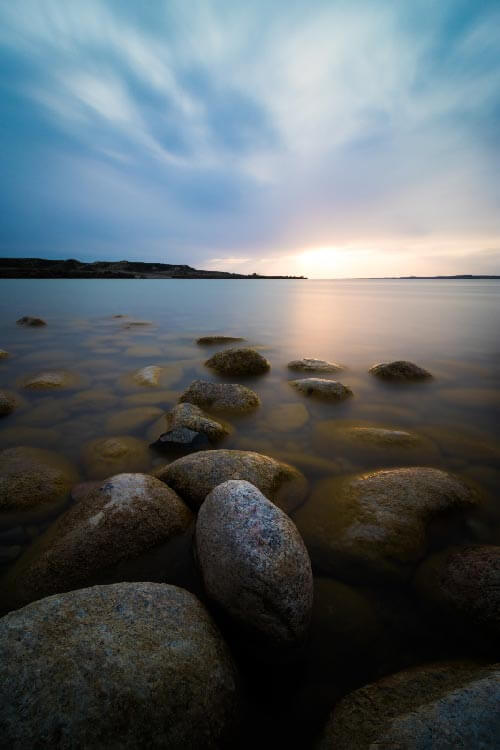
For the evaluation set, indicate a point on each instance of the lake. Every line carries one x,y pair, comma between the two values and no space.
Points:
449,327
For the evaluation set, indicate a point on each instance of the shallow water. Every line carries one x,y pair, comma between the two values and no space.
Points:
448,327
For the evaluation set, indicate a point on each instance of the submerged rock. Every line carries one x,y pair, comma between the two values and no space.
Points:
230,397
33,481
330,390
464,583
442,706
113,455
26,320
148,376
400,370
254,563
209,340
132,419
238,362
154,376
287,417
52,380
8,403
129,665
374,526
194,476
309,364
188,428
123,518
4,354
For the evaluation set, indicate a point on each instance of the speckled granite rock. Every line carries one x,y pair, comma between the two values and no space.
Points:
33,481
124,666
112,455
126,516
191,417
238,362
26,320
373,526
439,706
254,563
329,390
194,476
230,397
464,582
210,340
400,370
309,364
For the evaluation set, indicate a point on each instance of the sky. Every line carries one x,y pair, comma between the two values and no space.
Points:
326,138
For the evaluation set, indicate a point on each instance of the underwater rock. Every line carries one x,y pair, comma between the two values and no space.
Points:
287,417
238,362
230,397
374,526
26,320
52,380
132,419
128,665
329,390
254,563
4,354
399,370
8,403
309,364
194,476
106,456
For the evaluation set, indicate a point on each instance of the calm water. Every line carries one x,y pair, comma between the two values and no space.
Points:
449,327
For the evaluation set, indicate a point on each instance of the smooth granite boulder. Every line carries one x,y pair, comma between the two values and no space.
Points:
223,397
103,457
374,526
254,563
399,371
194,476
464,583
433,707
126,666
33,482
309,364
238,362
127,516
328,390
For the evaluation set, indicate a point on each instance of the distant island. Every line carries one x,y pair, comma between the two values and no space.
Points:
40,268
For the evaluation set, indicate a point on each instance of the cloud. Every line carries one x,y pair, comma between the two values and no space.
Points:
179,130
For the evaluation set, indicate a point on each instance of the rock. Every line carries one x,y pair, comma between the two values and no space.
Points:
7,403
209,340
33,482
151,398
129,665
287,417
439,706
4,354
26,320
400,370
254,563
330,390
126,517
309,364
148,376
189,417
374,526
136,324
181,440
154,376
143,351
113,455
238,362
52,380
132,419
229,397
464,583
194,476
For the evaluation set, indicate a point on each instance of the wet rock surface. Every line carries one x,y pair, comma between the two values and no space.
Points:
8,403
310,364
52,380
374,526
329,390
128,665
439,706
400,370
121,519
223,397
112,455
464,584
194,476
254,563
191,417
238,362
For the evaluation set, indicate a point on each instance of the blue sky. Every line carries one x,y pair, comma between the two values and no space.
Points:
326,138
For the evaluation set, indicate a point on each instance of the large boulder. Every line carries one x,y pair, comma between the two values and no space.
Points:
124,666
194,476
33,482
309,364
229,397
464,583
254,563
439,706
328,390
103,457
238,362
374,526
399,371
125,517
